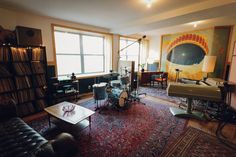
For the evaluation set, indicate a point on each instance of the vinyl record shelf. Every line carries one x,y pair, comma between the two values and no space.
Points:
23,77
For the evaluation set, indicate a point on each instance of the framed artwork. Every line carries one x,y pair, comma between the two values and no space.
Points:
234,50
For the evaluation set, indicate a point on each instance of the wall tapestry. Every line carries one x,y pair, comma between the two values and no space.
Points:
186,51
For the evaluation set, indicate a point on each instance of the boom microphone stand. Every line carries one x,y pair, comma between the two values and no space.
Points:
134,94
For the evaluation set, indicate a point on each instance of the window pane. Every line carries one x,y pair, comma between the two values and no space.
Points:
123,45
92,45
123,58
133,49
67,43
68,64
93,64
133,58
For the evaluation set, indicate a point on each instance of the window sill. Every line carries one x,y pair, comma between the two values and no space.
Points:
82,76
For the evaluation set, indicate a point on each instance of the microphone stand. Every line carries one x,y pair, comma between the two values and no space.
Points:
135,96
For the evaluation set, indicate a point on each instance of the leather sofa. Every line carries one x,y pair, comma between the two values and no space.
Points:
17,139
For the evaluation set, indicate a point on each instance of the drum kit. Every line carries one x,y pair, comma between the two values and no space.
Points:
119,93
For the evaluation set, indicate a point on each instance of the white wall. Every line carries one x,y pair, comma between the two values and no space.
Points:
9,19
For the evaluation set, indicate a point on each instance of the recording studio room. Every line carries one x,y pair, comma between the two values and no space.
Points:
127,78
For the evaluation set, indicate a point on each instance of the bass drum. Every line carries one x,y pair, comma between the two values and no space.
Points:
119,97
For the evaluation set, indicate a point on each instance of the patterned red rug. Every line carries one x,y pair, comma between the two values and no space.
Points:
159,93
197,143
141,130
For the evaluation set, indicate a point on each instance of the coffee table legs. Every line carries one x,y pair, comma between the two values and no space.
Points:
89,123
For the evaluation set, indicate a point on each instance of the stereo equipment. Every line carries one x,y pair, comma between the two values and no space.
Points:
28,36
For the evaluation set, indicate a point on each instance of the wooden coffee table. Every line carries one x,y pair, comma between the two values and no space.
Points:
77,117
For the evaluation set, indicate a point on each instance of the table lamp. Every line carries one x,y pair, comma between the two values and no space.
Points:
208,64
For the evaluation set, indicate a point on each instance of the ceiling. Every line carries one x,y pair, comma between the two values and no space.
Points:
132,16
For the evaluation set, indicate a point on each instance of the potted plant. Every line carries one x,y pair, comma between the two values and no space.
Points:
142,67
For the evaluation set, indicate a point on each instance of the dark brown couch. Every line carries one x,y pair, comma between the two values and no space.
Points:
17,139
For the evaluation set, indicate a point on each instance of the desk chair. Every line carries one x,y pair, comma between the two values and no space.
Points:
162,78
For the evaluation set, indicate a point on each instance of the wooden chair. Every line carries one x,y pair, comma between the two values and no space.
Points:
162,78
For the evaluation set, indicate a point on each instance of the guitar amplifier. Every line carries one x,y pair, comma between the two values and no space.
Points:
28,36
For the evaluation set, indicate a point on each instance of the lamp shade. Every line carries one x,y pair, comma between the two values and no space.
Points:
209,64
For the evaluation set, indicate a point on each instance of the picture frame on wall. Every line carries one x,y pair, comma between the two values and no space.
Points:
234,49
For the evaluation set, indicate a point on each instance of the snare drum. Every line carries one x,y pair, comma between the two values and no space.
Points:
119,97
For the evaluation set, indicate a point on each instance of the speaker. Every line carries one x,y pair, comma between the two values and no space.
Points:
226,77
28,36
51,72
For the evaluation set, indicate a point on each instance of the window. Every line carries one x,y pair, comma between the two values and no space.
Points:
131,53
80,52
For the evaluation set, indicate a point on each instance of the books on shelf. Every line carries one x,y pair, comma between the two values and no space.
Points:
4,72
23,82
40,80
38,54
37,68
40,92
6,85
26,95
12,96
22,68
23,78
19,54
4,54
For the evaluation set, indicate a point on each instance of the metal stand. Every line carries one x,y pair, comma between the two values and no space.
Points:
178,71
187,113
135,94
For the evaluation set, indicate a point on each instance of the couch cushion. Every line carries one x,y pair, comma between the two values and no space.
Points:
18,139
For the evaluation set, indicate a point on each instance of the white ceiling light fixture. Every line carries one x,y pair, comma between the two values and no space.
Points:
195,24
148,3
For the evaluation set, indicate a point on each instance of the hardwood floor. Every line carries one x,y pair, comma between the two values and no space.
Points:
229,131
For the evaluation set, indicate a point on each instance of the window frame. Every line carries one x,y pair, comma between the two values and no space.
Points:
81,54
127,40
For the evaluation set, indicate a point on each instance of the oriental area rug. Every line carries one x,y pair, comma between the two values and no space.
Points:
140,130
159,93
195,143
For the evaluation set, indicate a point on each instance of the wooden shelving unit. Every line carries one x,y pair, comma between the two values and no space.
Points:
27,67
7,86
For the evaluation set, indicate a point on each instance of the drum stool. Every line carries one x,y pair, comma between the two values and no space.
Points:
99,93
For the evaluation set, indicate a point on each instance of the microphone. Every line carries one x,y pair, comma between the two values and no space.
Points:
143,37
